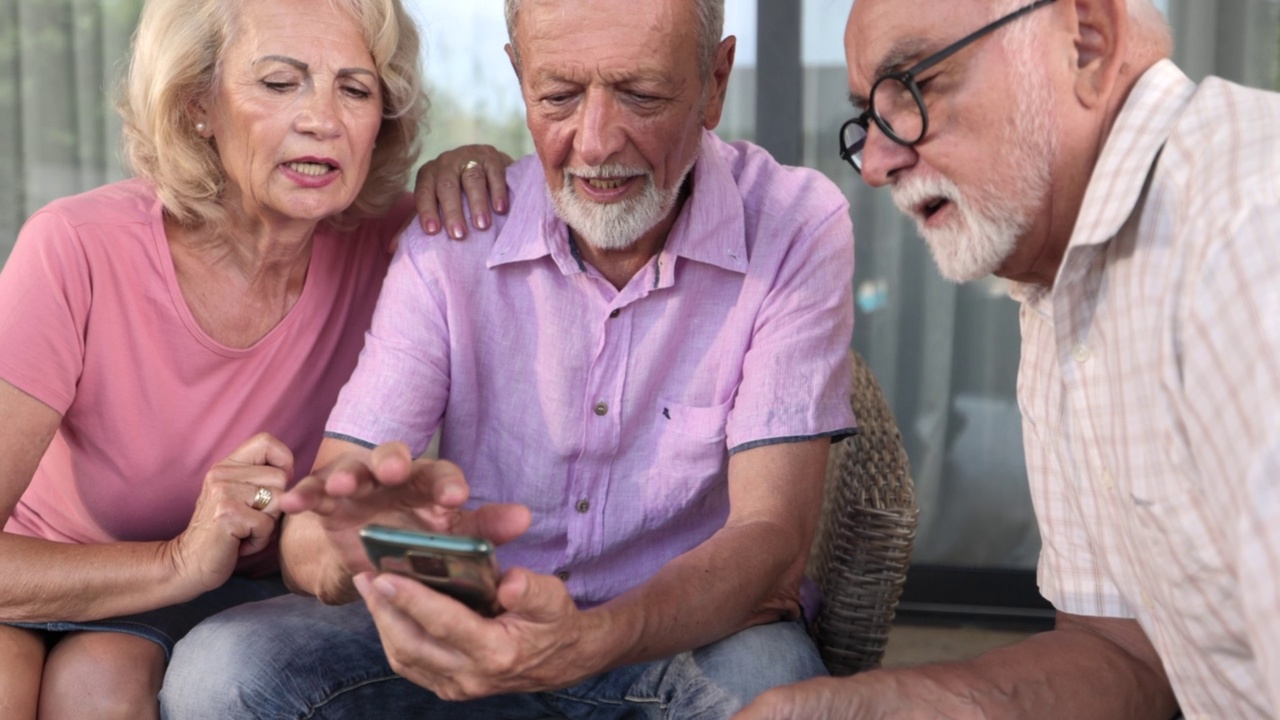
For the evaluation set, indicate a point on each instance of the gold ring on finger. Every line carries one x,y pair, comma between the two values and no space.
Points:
470,165
261,499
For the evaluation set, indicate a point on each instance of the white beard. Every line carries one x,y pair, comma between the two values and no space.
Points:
988,221
614,225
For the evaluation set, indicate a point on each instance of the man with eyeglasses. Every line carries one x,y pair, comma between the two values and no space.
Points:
1138,215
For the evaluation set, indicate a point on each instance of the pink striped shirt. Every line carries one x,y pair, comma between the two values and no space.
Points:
612,413
1150,391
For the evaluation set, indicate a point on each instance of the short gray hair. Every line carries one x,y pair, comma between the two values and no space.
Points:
709,19
1150,31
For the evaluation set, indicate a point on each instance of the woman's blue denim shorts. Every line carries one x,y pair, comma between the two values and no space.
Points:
167,625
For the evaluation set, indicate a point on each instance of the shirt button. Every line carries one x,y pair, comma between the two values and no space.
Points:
1146,600
583,505
1081,353
1107,481
563,575
615,313
601,408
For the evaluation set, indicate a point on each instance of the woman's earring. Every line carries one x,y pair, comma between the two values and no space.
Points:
200,127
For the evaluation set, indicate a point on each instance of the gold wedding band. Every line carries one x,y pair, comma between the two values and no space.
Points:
261,500
468,165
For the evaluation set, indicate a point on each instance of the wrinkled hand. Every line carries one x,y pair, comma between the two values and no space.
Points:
870,695
437,642
389,487
224,525
441,183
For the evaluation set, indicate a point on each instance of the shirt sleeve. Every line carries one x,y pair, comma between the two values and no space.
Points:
796,377
401,384
1231,381
45,298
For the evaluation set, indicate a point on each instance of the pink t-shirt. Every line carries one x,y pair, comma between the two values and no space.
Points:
94,324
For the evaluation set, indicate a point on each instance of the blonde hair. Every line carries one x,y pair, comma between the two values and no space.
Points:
176,58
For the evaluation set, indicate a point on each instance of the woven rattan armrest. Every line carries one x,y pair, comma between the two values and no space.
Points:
865,535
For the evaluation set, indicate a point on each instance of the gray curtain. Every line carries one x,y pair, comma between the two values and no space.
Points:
59,64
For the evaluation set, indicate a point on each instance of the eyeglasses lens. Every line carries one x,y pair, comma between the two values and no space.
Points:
898,110
852,139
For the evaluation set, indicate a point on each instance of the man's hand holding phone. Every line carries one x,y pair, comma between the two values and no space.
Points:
540,641
354,487
459,566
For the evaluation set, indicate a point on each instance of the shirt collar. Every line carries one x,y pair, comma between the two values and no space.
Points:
531,222
1145,122
710,229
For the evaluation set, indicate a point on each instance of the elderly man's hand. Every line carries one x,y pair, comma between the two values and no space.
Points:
900,694
477,170
354,490
823,698
437,642
389,487
356,487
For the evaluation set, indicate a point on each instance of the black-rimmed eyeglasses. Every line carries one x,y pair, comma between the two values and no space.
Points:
895,103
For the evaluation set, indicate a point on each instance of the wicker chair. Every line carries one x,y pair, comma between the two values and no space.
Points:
865,535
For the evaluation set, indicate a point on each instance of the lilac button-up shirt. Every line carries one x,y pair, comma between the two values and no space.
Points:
612,413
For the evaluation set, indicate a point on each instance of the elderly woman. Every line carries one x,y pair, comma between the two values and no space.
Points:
173,343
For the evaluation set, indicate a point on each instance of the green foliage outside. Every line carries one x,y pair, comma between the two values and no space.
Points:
449,126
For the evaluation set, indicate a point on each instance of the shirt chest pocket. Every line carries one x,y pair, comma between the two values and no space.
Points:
691,454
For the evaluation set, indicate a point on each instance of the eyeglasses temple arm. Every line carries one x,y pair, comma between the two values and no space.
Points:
963,42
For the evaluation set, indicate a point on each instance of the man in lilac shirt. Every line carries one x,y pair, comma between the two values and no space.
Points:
636,378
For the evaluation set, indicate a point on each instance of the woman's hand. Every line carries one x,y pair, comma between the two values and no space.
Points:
230,520
477,170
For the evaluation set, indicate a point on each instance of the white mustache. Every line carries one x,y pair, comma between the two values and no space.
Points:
909,194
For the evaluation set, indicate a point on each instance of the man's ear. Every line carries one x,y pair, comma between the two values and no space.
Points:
514,58
1101,48
720,70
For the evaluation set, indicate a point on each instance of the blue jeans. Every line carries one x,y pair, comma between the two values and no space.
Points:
293,657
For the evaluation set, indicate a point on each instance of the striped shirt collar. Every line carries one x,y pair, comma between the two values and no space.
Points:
1128,157
1145,122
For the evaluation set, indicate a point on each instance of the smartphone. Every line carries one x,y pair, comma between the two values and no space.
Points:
462,567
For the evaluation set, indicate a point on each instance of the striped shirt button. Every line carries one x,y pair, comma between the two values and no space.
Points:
602,408
583,505
1081,353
